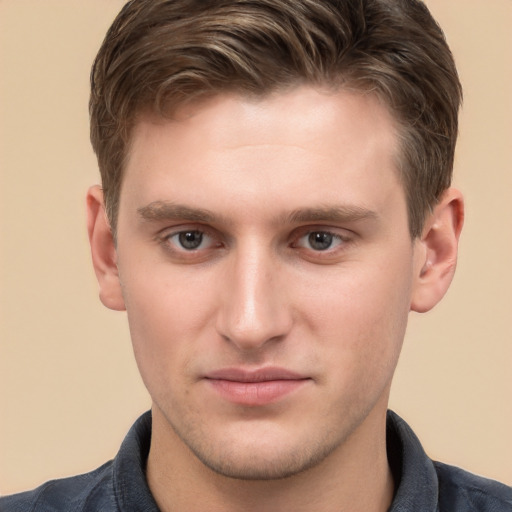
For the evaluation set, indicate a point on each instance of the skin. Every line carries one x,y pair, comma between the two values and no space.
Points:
304,263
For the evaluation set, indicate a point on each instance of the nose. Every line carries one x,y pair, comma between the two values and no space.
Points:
254,307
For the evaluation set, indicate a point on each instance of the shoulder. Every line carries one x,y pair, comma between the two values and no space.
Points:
87,492
460,490
118,484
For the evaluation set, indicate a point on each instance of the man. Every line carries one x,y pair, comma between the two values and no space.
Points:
275,200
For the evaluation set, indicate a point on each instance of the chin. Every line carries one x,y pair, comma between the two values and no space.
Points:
259,457
253,468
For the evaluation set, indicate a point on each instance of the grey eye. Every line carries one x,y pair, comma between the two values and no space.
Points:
190,239
320,240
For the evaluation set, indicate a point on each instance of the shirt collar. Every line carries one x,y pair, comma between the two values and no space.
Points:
416,486
129,469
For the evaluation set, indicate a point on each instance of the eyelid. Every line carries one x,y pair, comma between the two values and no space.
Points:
164,236
335,236
341,233
204,240
331,255
169,231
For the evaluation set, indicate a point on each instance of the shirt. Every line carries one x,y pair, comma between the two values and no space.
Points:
120,485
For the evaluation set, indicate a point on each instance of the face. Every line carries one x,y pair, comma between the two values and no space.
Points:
267,270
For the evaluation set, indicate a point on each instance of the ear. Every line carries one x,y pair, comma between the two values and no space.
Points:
103,251
436,251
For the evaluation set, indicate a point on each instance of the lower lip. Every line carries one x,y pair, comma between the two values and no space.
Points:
255,393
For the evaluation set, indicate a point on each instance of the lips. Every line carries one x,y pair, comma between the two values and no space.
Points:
255,387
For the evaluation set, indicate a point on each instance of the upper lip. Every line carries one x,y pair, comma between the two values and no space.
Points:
254,375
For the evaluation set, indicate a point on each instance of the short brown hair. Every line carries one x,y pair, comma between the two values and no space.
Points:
159,54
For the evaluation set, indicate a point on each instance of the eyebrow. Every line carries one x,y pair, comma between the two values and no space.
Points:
165,210
337,214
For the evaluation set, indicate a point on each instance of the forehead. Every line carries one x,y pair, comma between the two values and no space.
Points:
312,112
305,143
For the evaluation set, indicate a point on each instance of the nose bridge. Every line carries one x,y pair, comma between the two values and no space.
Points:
254,309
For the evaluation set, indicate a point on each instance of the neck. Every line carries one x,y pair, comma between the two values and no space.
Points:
355,477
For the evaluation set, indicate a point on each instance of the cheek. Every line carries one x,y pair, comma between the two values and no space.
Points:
167,315
164,300
362,320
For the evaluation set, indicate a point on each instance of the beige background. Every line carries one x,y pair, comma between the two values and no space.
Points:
69,389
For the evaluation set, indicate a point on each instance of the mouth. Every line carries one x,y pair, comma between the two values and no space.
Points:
254,388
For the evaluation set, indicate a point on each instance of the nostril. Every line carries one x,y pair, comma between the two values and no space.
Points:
253,310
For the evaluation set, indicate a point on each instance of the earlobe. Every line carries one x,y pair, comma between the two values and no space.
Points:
436,251
103,251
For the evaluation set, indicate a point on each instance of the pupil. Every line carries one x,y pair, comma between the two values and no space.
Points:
190,239
320,241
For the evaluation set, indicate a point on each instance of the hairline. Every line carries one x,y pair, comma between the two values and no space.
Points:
146,111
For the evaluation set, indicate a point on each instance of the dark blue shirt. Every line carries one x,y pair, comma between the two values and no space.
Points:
120,485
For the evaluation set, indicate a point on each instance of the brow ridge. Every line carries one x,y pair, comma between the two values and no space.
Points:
165,210
339,213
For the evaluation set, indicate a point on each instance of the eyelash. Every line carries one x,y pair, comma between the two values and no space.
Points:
166,240
343,241
332,238
296,242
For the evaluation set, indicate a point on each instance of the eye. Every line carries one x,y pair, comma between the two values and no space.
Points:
320,240
191,245
189,240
